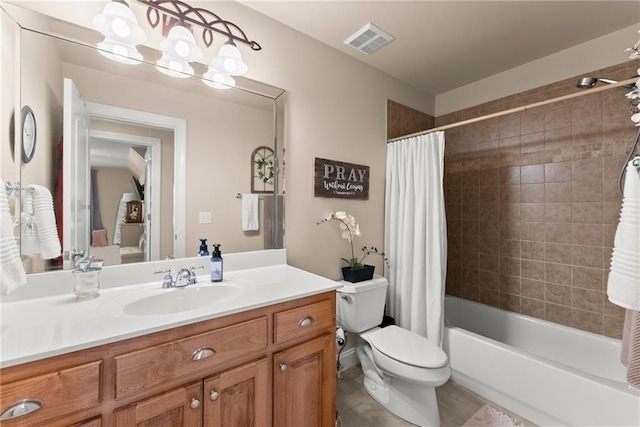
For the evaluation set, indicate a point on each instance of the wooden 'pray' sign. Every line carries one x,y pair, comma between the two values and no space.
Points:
340,180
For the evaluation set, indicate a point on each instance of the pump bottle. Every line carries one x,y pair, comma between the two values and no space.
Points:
216,264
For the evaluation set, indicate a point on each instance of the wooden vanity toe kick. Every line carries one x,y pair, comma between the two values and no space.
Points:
155,365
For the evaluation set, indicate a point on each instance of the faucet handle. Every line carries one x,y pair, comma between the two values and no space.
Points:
167,280
193,278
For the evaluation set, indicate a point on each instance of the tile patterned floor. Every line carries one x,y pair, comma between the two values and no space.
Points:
358,409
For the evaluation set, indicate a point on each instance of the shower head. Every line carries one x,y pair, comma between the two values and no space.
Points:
589,82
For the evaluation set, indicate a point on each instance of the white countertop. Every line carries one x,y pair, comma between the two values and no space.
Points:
36,328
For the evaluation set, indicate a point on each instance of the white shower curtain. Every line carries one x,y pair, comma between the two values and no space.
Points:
416,234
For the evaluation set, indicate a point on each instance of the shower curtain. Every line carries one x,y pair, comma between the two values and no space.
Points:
416,234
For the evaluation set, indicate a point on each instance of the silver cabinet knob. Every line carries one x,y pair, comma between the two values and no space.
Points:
214,395
195,403
283,367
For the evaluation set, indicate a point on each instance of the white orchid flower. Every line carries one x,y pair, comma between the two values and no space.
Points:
636,119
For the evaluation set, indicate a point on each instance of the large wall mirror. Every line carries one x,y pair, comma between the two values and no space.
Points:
144,164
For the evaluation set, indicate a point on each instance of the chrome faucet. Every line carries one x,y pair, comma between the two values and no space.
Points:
184,277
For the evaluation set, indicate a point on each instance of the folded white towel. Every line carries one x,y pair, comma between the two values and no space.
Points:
45,219
12,274
250,209
623,287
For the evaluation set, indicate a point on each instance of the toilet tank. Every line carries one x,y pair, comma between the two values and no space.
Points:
361,305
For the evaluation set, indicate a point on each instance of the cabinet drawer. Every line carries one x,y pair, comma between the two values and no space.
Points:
299,322
62,392
156,365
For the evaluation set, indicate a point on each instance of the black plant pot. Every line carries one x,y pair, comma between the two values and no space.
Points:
359,275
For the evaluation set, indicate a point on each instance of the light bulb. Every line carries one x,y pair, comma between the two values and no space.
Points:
182,48
120,27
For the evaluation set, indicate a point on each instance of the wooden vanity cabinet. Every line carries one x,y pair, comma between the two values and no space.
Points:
302,384
268,367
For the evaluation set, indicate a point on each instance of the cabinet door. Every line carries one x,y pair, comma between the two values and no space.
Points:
238,397
180,407
304,384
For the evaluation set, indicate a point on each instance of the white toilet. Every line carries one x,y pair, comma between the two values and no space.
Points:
401,368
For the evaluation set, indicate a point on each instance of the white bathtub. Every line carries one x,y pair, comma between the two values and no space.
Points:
548,373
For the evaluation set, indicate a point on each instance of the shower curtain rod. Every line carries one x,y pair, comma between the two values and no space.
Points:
517,109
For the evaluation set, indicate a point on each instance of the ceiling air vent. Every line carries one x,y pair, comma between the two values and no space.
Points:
368,39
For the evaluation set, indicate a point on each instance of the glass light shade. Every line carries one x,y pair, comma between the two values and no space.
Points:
229,61
180,44
118,23
218,80
122,33
119,52
174,67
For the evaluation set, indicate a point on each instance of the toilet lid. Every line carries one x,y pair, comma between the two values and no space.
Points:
408,347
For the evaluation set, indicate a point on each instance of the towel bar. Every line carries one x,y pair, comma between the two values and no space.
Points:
239,196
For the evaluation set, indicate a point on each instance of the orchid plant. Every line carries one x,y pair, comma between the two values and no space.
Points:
634,95
350,229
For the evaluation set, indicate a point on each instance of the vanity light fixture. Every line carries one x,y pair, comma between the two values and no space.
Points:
179,48
119,26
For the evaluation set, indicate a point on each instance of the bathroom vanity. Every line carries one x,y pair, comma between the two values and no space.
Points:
263,356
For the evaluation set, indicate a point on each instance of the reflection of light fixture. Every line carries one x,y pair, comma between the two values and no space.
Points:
178,49
218,80
122,33
119,26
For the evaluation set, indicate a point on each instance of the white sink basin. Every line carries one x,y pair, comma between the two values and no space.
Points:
157,301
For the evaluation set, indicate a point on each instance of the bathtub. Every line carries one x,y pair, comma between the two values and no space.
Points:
548,373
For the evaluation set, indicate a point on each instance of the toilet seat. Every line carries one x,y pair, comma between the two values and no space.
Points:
407,347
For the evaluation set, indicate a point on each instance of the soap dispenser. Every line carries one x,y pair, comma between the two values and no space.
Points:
203,250
216,264
87,278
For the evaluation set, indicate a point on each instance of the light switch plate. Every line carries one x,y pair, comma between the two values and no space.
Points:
204,217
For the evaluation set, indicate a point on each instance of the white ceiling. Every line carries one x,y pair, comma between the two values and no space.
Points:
443,45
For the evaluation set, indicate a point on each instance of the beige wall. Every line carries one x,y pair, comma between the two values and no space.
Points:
595,54
532,205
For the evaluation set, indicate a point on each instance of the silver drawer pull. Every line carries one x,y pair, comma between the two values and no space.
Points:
214,395
283,367
203,353
195,403
20,408
306,321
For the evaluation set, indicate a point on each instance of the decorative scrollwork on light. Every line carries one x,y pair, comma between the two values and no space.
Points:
207,20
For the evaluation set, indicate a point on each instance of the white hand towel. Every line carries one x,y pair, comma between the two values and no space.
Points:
250,208
12,274
45,219
623,287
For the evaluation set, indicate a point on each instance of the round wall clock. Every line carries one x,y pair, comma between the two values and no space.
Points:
28,134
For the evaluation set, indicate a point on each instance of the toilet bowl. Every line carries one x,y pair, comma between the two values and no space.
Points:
401,368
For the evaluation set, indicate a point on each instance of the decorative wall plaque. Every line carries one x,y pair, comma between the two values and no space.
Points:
340,180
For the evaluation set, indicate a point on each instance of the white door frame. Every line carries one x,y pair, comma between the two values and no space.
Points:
152,182
179,128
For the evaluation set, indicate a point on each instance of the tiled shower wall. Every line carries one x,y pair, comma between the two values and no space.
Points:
532,204
403,120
